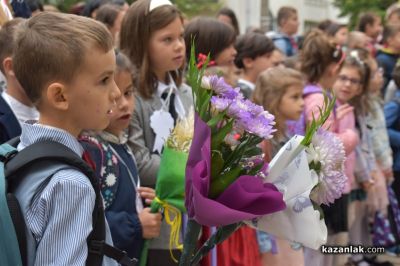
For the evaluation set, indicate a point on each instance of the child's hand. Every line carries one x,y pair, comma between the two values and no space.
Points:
342,110
388,173
151,223
148,194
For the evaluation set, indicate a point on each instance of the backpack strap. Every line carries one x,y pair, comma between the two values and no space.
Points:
10,250
57,153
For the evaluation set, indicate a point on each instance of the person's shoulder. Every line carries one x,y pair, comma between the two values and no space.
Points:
142,102
72,175
313,100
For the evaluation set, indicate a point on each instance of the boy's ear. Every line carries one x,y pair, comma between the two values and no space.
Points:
8,67
55,94
247,62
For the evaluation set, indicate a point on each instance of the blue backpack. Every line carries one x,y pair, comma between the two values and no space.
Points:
47,157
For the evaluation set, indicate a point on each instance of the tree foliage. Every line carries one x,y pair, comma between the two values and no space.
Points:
190,8
193,8
353,8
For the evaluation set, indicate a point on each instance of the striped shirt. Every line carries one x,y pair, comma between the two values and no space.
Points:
60,219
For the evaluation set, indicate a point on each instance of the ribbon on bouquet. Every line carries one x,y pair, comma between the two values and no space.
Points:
175,223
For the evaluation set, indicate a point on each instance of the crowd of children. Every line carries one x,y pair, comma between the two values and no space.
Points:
109,88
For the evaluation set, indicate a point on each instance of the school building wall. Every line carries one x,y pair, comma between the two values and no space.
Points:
262,13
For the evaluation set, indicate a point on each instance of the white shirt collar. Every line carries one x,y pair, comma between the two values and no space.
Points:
21,111
251,85
162,87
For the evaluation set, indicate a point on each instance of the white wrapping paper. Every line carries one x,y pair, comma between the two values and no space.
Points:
299,222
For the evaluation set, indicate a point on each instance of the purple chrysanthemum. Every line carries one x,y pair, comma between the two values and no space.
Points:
252,118
220,104
326,157
248,116
220,87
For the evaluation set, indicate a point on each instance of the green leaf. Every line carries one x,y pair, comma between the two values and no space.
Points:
252,151
206,102
220,183
216,119
218,138
315,124
217,163
255,170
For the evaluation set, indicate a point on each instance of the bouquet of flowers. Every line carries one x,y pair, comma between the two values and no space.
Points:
309,171
225,168
170,189
226,172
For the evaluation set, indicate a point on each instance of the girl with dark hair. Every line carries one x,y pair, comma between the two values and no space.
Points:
338,32
211,37
254,52
228,16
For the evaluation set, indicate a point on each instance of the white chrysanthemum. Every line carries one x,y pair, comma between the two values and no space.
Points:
326,157
111,179
181,137
205,83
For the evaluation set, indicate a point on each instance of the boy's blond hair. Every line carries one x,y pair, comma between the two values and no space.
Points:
51,47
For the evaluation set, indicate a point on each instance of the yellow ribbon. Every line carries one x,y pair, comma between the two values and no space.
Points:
175,224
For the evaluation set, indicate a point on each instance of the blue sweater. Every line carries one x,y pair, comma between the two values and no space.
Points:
119,193
387,61
392,116
9,125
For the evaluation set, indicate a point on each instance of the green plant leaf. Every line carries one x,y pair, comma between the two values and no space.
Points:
220,183
218,138
217,163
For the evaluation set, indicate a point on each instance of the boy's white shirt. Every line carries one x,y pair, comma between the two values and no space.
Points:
21,111
251,85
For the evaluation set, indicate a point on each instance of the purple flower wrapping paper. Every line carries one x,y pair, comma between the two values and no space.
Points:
245,199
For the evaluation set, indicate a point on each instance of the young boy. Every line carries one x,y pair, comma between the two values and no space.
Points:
66,65
254,52
13,100
288,24
14,94
387,57
371,24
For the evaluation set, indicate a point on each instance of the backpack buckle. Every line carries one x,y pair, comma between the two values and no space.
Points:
8,156
125,260
96,247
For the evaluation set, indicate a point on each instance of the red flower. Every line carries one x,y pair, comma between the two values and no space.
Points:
201,59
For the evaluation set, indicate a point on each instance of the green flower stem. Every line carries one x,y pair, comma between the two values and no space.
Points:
219,184
221,235
190,242
241,150
145,250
